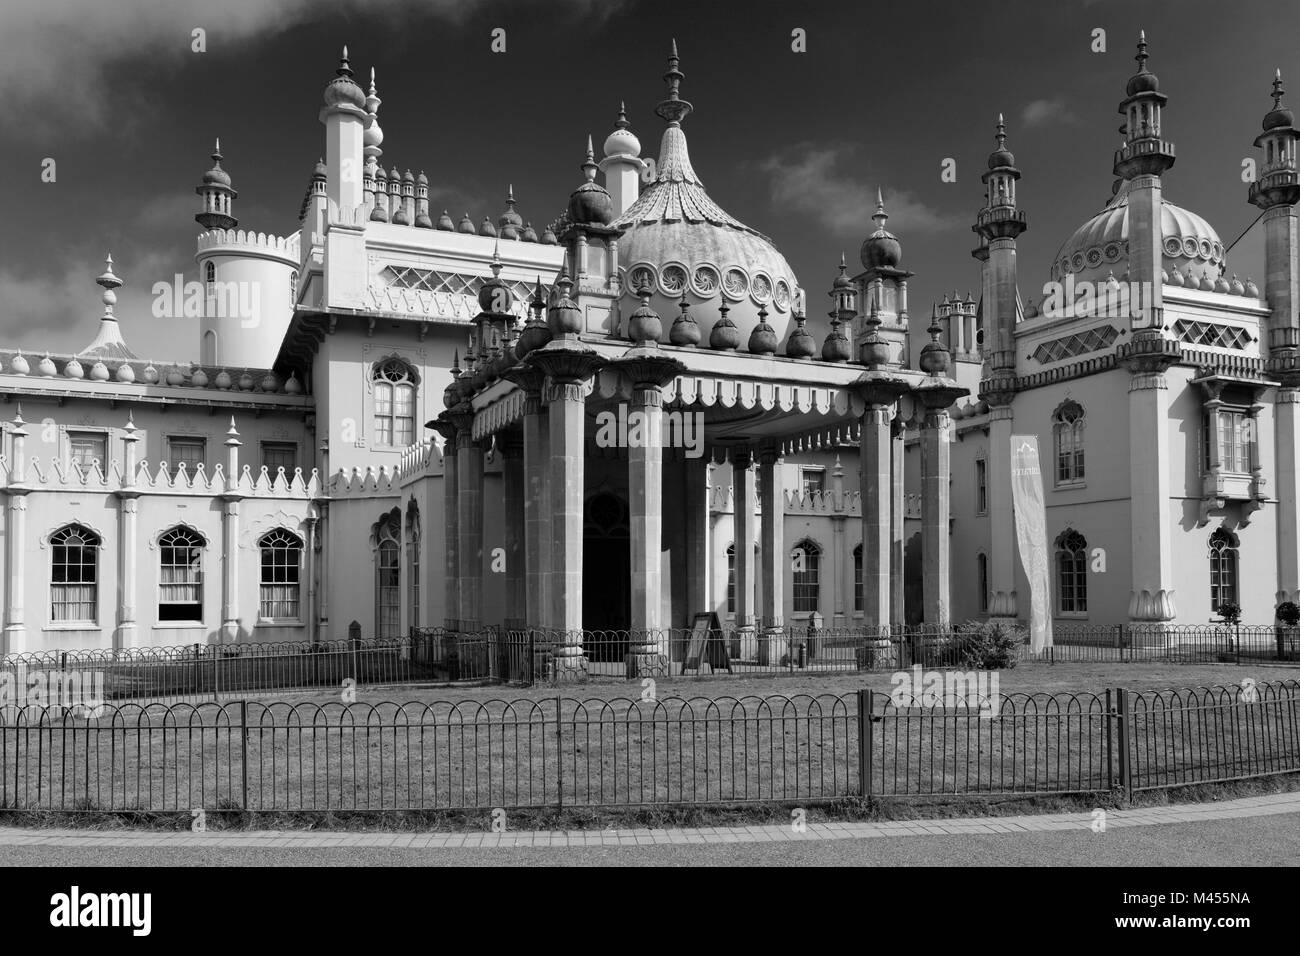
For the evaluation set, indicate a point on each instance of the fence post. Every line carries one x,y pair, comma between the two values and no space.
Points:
354,639
1122,722
559,755
1110,743
216,672
866,741
1119,642
243,749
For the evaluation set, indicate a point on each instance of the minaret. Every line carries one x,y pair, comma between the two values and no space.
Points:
1276,192
884,284
345,119
622,164
372,139
1148,353
218,196
998,226
592,242
108,341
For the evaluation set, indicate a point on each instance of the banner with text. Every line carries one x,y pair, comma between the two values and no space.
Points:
1031,536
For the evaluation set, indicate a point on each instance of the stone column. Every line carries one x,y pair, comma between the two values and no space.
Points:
512,476
699,474
315,586
16,542
128,508
469,524
772,642
230,541
742,485
898,510
843,555
450,526
645,498
876,474
1148,357
1002,522
567,481
935,512
323,533
537,510
1287,429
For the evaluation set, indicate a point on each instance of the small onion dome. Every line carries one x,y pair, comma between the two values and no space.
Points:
590,202
836,346
529,233
494,296
246,382
409,177
1143,81
1001,156
466,225
762,341
18,365
1279,115
564,317
175,376
1175,278
216,176
270,383
1236,288
509,232
487,229
876,349
46,367
882,247
548,237
222,381
1251,289
510,217
644,325
445,223
535,333
685,330
293,386
1207,284
125,373
321,170
724,335
1031,310
199,379
74,370
801,344
934,357
341,91
621,142
1221,284
451,394
150,375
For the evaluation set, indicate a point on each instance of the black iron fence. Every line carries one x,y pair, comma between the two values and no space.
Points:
471,652
569,752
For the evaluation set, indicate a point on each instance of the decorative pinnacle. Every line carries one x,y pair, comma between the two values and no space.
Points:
1001,134
232,436
496,259
538,302
373,91
935,328
589,166
622,122
108,281
674,109
510,195
1142,51
1278,92
880,216
455,363
344,69
216,150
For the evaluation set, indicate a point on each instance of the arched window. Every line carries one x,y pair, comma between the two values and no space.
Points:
208,354
293,288
1223,569
857,578
806,560
1071,572
394,384
388,577
280,596
413,549
731,579
210,277
180,576
1067,433
74,575
982,577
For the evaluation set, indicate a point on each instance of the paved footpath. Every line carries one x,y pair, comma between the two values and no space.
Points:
1270,805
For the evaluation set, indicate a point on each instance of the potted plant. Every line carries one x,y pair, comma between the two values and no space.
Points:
1230,612
1288,616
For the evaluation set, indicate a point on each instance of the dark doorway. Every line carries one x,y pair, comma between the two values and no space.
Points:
606,573
913,581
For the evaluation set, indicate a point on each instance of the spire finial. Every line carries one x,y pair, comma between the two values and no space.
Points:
344,68
1142,51
622,122
1278,92
880,216
373,91
108,282
674,109
216,150
1001,134
589,166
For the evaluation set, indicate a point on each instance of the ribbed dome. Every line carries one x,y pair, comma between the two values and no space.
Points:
1100,246
342,91
678,240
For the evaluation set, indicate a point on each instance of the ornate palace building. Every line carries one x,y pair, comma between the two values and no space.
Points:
401,417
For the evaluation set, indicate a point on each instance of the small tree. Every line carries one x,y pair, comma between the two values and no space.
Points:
1230,611
1288,612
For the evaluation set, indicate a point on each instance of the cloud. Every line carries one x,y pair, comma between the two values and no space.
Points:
805,179
56,56
1046,112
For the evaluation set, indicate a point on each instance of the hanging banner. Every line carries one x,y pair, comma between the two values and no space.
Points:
1031,536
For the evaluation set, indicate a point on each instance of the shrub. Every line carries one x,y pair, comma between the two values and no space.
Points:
1288,612
988,645
1230,611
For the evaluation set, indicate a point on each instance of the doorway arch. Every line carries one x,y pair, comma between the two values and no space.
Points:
606,569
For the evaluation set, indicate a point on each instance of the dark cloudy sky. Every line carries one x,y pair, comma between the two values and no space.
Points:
792,144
